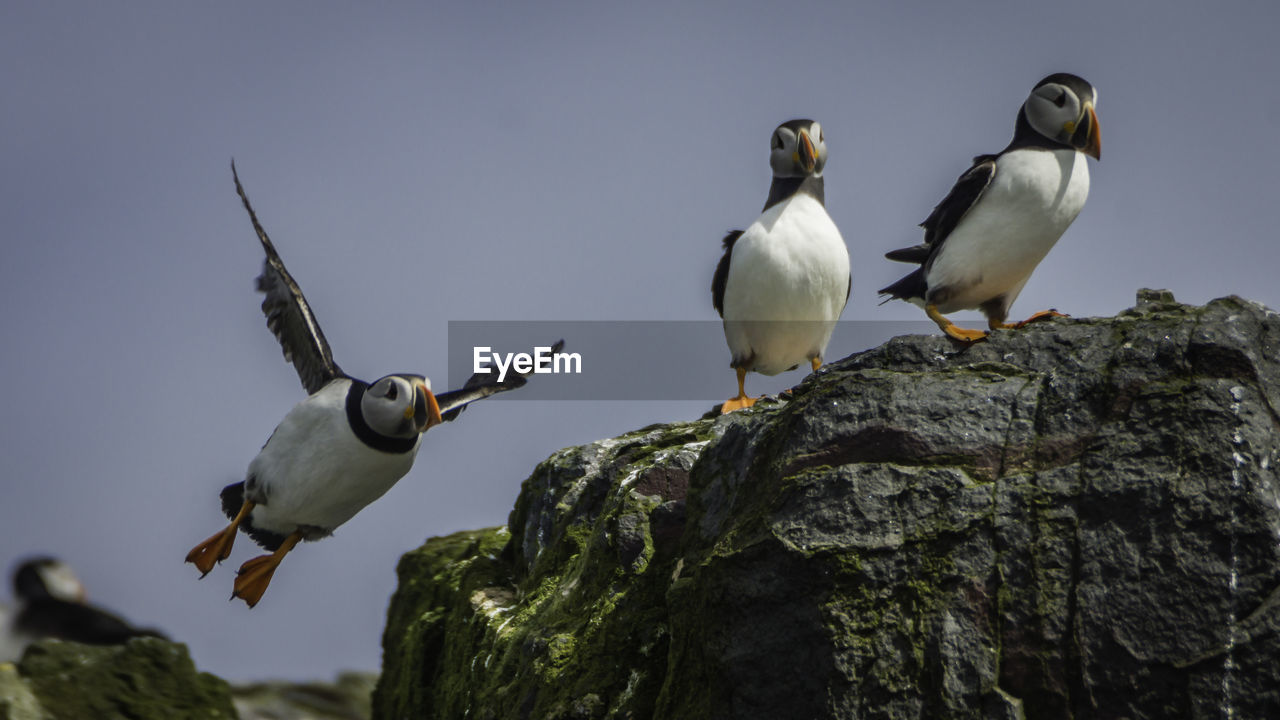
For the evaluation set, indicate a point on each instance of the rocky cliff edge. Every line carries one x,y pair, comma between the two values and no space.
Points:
1074,520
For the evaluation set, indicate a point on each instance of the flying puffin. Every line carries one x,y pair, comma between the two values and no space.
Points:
333,453
783,282
51,604
1004,214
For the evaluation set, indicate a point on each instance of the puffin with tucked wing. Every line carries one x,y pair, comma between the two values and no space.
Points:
1005,213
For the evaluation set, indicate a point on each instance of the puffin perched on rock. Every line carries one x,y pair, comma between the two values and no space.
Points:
336,451
51,604
1004,214
783,282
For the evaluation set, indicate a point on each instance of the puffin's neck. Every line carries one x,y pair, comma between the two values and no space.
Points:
784,187
366,434
1025,136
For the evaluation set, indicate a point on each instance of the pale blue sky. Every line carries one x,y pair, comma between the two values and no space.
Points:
533,161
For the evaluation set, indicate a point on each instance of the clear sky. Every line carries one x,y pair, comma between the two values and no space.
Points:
420,163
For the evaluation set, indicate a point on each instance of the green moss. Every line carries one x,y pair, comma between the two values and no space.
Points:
144,679
437,583
538,653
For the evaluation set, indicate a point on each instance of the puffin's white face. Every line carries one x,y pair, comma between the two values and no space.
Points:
62,583
1061,112
400,406
798,149
46,577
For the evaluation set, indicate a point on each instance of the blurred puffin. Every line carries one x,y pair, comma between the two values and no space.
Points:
783,282
51,604
1004,214
336,451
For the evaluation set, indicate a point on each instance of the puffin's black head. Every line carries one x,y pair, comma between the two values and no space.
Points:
1060,108
400,406
45,577
798,149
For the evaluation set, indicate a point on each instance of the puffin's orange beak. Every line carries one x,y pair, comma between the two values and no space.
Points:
805,154
1089,137
426,410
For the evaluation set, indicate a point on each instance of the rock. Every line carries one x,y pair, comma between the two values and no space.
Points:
143,679
1075,519
151,678
346,699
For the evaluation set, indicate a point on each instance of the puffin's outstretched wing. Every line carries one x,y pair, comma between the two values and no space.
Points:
288,315
721,277
480,386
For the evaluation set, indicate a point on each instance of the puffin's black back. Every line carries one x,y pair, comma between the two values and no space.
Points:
50,617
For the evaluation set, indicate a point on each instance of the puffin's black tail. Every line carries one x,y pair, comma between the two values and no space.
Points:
232,499
911,286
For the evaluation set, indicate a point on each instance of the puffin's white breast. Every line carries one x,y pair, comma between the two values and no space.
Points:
315,471
1033,198
788,283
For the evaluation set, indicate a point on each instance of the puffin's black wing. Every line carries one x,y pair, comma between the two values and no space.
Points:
939,225
480,386
963,196
948,213
52,617
721,278
288,315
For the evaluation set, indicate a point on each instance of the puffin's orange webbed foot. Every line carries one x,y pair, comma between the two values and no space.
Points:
741,400
1042,315
964,335
255,575
737,403
218,546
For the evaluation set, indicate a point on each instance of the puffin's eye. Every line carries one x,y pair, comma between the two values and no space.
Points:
777,141
391,391
1061,99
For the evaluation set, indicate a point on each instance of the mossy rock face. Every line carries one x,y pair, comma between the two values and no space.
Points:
560,616
1073,520
144,679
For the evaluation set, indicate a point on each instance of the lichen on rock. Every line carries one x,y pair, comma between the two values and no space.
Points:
1074,519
